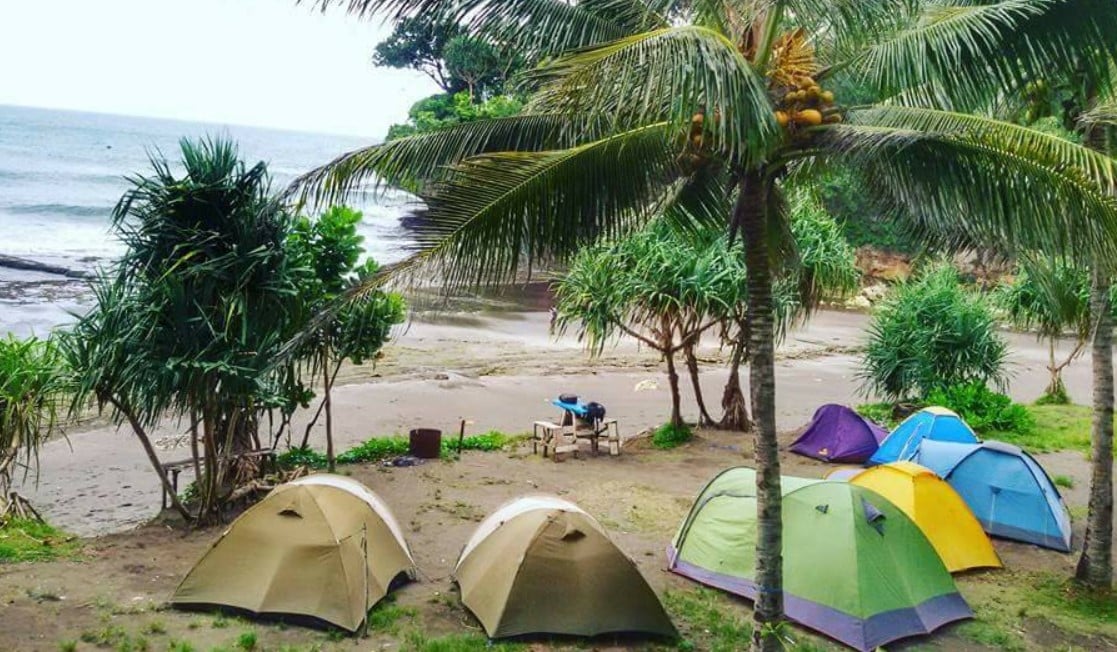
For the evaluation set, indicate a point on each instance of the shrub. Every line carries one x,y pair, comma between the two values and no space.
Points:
881,413
670,435
984,409
931,334
381,448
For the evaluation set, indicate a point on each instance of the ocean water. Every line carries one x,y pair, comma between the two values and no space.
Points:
61,173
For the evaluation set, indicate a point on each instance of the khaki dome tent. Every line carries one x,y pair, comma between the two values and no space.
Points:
324,547
541,565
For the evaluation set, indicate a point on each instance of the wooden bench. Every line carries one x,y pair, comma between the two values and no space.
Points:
175,468
563,438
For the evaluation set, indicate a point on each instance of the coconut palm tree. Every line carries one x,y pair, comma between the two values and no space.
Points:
692,106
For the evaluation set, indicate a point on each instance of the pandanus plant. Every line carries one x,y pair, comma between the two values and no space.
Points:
702,108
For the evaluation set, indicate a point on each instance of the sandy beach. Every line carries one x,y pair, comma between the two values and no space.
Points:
497,369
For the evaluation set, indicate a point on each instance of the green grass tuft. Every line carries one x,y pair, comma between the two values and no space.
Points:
385,616
1063,481
669,436
29,540
247,641
68,646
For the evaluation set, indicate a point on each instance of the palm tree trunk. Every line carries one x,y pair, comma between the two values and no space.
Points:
331,463
1095,566
750,216
735,411
692,367
152,457
673,381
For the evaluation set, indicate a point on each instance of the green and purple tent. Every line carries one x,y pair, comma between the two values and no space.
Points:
856,568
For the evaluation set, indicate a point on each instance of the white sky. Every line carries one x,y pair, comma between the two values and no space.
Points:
266,63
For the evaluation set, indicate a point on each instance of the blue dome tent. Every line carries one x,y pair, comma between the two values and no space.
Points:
1007,490
934,423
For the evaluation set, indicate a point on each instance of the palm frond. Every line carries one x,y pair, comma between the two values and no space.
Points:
699,201
498,211
973,179
668,74
970,51
535,27
414,162
841,28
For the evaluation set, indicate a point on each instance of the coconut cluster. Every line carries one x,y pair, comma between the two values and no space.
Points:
806,104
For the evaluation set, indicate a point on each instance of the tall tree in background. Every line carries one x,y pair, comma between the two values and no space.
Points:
703,104
330,248
1052,298
418,43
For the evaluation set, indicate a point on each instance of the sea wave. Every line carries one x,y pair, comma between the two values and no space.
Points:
57,209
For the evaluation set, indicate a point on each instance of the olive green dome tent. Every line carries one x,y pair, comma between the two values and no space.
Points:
324,547
855,567
541,565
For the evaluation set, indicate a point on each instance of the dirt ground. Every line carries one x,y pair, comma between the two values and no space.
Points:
121,581
496,370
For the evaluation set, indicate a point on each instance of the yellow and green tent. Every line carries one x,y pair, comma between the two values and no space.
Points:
856,568
937,509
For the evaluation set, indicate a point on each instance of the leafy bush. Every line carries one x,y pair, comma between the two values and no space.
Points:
301,457
930,334
670,435
881,413
381,448
984,409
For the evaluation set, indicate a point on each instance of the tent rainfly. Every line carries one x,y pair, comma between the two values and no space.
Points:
323,547
856,568
838,434
934,423
541,565
1005,488
937,509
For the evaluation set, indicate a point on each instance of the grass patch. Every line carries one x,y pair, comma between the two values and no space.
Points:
417,642
117,638
386,616
381,448
1057,428
708,620
30,540
992,634
669,436
1009,602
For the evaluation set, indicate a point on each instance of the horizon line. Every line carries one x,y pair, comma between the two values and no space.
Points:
216,123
